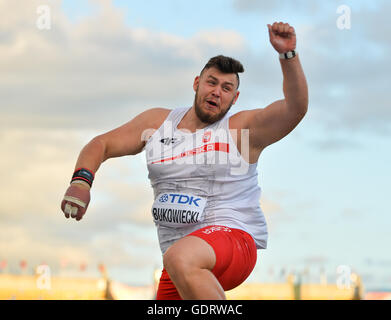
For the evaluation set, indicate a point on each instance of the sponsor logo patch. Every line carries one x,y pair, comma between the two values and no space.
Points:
178,209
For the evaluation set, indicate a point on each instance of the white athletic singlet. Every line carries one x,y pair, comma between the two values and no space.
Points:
201,179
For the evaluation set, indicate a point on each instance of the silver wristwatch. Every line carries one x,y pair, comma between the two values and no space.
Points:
288,55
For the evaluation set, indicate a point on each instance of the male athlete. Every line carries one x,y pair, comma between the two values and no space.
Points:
202,166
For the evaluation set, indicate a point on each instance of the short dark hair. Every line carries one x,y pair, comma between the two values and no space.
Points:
225,65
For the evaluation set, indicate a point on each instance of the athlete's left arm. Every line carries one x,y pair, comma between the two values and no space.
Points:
275,121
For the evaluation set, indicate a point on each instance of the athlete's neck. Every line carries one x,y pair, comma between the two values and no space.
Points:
191,121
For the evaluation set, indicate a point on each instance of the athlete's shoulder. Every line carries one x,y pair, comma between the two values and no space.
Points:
155,116
158,112
239,120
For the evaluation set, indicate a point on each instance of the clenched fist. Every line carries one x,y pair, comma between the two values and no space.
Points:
282,37
76,200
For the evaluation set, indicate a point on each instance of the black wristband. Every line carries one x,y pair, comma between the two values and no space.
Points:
84,175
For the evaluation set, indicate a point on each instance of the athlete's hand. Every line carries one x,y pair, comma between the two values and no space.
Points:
282,37
76,200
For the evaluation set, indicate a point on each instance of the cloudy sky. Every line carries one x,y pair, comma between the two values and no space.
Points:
101,62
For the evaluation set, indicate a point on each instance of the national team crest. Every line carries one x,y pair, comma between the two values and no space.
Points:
206,137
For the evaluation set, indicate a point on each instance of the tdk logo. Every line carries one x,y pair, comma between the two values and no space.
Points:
163,198
179,198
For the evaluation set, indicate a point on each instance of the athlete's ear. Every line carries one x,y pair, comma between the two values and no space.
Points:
236,97
196,83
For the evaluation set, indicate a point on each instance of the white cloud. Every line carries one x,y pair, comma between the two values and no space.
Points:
347,70
36,171
75,74
34,166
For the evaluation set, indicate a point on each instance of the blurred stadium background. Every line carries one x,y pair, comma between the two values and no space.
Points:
37,283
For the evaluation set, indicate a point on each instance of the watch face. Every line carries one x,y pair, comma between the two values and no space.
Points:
288,55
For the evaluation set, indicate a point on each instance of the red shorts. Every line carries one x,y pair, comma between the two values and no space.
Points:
236,255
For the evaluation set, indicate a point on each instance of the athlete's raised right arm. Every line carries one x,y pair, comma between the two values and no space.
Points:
124,140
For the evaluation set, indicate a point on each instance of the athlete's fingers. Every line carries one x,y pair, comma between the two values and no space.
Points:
80,214
271,34
275,27
63,204
74,211
71,209
68,208
280,27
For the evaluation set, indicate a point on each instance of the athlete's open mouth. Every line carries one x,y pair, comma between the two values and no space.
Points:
212,103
